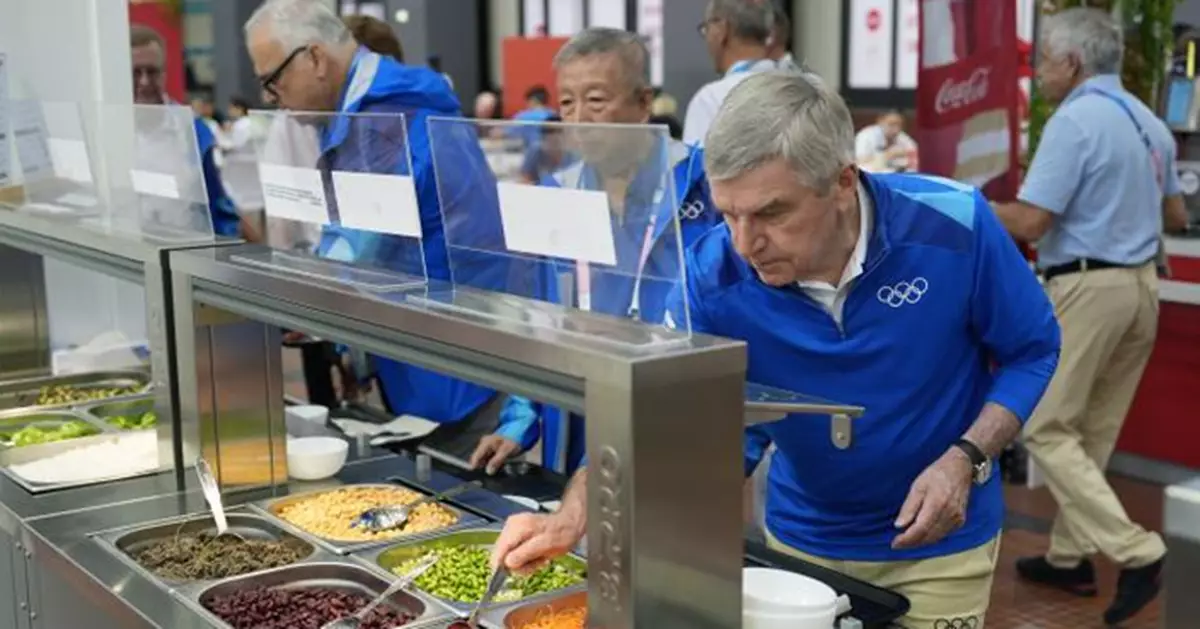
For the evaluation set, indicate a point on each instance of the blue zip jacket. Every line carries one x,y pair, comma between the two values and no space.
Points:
381,85
225,219
944,295
611,293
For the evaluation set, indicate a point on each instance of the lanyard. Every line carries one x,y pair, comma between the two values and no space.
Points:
583,274
742,66
1155,156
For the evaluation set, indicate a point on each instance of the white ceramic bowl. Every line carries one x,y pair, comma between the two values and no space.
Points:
771,591
316,458
752,619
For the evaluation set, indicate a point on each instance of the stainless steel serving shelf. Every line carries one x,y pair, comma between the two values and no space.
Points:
271,508
385,560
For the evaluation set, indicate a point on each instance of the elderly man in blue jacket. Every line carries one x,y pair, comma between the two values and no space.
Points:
603,76
900,293
308,61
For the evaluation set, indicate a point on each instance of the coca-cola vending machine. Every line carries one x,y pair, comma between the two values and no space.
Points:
967,93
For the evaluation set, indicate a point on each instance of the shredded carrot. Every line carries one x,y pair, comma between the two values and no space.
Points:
573,618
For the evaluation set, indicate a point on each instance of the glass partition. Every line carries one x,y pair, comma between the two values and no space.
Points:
584,236
341,199
56,161
155,174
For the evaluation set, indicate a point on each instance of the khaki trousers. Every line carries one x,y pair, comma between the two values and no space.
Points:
1109,319
944,592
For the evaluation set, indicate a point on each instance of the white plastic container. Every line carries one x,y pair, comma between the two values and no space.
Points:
307,421
778,599
316,458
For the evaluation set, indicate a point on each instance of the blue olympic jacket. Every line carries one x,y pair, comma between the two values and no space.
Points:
381,85
613,293
944,296
225,219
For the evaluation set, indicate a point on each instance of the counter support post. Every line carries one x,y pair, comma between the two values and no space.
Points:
665,491
1181,527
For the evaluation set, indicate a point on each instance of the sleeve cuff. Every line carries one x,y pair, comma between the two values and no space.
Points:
1020,390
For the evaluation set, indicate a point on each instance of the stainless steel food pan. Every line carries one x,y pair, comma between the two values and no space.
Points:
273,507
100,412
28,454
15,419
337,574
526,613
386,560
24,393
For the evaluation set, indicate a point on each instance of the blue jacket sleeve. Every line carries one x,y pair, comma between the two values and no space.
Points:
520,421
225,219
1012,317
757,438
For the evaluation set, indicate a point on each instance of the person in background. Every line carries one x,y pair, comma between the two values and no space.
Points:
537,109
1094,201
736,33
239,169
148,57
550,156
206,112
376,35
487,106
820,264
308,61
435,64
603,77
664,111
884,147
779,49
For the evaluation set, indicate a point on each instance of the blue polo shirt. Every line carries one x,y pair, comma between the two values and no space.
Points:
943,296
1094,172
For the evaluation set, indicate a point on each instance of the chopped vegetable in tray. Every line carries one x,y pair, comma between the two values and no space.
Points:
461,574
64,394
33,435
134,421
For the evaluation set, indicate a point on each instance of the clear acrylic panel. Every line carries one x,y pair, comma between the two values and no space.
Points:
155,172
56,160
341,199
585,233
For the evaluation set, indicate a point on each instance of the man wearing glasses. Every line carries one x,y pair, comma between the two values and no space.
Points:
148,53
736,33
308,61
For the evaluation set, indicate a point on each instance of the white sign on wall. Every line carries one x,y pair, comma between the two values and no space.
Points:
650,25
871,44
566,17
908,42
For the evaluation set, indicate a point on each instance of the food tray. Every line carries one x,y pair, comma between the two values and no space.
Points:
99,412
23,393
27,454
338,574
384,559
515,617
16,419
875,607
125,541
272,507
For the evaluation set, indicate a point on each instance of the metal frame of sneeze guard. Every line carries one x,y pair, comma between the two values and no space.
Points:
578,223
664,436
341,203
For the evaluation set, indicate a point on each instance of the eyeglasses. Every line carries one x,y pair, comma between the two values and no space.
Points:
702,27
268,82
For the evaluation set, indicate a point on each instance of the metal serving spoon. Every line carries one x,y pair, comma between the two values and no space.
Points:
354,620
395,516
212,495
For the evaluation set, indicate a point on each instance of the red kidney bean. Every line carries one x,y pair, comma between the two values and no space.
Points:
304,608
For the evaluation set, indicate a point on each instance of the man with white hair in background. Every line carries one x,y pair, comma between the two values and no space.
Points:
899,293
308,61
1095,199
736,33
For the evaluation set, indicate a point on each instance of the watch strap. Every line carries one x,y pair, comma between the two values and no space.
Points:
973,452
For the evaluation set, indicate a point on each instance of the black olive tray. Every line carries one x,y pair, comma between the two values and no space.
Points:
875,607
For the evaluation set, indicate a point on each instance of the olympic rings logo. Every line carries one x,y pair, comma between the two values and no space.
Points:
691,210
903,292
970,622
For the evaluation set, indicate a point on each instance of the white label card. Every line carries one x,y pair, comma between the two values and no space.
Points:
70,159
293,193
559,222
378,203
154,184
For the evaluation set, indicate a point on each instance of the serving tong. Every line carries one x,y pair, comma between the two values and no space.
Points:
354,620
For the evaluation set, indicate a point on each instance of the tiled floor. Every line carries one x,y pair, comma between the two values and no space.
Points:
1017,605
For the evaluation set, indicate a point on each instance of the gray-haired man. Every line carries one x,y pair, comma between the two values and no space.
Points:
737,33
896,292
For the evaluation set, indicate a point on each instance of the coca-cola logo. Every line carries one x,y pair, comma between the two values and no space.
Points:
956,95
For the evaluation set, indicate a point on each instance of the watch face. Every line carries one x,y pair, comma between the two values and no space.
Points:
983,472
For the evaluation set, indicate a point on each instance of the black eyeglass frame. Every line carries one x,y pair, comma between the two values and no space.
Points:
268,82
